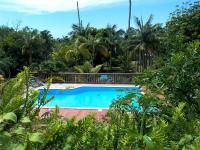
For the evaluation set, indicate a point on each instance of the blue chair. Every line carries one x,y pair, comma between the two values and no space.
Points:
104,77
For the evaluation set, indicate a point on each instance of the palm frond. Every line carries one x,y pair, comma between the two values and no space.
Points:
96,69
149,21
139,23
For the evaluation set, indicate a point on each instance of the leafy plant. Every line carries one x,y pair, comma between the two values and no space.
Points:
87,68
20,105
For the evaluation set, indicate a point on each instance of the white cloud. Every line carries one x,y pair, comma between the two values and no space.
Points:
50,6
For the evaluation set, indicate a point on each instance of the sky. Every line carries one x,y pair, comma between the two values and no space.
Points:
57,16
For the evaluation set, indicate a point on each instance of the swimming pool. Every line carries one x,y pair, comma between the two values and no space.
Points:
87,97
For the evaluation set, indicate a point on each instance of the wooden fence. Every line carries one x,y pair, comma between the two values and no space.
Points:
90,78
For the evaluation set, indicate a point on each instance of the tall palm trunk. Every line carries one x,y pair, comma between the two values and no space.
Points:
129,18
79,18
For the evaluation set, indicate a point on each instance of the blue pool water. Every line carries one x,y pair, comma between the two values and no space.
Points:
88,97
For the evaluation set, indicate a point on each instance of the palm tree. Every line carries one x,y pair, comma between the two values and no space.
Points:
67,54
112,41
31,41
127,44
92,48
79,30
145,38
47,42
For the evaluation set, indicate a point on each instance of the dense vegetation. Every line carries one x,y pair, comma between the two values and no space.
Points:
169,112
114,49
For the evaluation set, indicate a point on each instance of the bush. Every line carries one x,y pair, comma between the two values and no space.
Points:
52,66
179,78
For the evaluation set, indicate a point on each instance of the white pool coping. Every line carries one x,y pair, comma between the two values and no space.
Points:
63,86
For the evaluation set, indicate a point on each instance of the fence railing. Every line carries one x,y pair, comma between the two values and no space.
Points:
90,78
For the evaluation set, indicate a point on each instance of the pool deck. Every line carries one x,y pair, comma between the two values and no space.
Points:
77,113
80,113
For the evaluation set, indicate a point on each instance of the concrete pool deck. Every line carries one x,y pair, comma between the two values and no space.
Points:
77,112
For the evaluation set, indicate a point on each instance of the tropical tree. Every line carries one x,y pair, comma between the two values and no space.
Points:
110,37
10,47
183,27
127,45
79,30
92,49
5,64
146,39
69,55
4,31
47,43
32,41
26,46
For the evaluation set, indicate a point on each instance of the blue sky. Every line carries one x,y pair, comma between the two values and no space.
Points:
57,16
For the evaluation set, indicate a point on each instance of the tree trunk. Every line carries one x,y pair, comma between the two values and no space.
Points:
110,60
30,57
79,18
129,18
93,55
